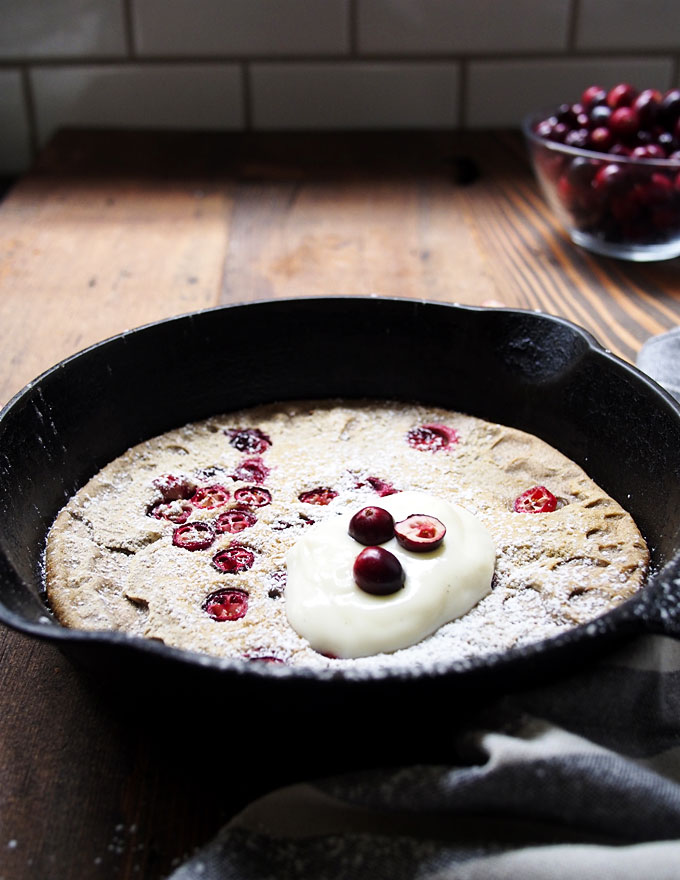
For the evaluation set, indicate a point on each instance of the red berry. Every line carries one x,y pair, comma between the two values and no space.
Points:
372,525
648,151
252,470
382,487
621,95
173,487
174,511
234,559
234,520
253,496
193,536
535,500
209,497
624,122
321,495
647,106
593,96
226,604
248,439
420,532
264,658
432,437
601,139
378,571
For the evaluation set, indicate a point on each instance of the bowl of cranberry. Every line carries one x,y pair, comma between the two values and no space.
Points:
609,167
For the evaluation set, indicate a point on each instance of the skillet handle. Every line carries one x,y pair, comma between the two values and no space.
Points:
660,609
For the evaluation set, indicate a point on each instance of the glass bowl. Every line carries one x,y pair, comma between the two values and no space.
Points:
613,205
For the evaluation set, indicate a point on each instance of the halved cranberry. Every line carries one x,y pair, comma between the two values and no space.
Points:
253,496
193,536
248,439
377,571
234,520
420,532
264,658
227,604
208,497
382,487
535,500
177,511
173,487
234,559
371,525
321,495
251,470
432,437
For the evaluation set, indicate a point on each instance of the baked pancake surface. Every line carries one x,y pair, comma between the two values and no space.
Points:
184,537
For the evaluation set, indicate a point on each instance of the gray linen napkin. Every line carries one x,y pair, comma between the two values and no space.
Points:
579,778
659,357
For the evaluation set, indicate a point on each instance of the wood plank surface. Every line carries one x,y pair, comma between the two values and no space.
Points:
112,230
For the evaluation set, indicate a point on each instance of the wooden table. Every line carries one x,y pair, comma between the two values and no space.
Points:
113,230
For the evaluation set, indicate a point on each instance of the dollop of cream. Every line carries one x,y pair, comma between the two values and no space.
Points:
325,606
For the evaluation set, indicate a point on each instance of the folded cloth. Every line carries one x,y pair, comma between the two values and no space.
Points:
579,778
659,357
576,779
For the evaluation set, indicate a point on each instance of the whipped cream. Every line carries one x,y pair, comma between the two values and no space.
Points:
325,606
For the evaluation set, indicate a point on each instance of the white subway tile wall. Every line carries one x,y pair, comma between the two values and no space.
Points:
355,95
305,64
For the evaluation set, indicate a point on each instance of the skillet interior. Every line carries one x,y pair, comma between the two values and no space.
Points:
527,370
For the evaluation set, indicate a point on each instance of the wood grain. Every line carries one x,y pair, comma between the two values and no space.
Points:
115,229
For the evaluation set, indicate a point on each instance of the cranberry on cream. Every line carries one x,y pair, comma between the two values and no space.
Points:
325,605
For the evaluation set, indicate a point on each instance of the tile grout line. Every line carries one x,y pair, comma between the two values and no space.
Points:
129,29
29,108
572,26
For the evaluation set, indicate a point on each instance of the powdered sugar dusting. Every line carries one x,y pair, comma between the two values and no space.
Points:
111,565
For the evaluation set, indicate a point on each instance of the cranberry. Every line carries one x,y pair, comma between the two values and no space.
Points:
624,122
577,137
251,470
234,559
378,571
432,437
600,116
234,520
248,439
593,96
647,106
372,525
382,487
321,495
621,95
253,496
264,658
609,176
648,151
420,532
226,604
209,497
174,511
669,112
173,487
535,500
193,536
601,139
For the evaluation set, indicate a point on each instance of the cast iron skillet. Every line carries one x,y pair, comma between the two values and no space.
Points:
528,370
